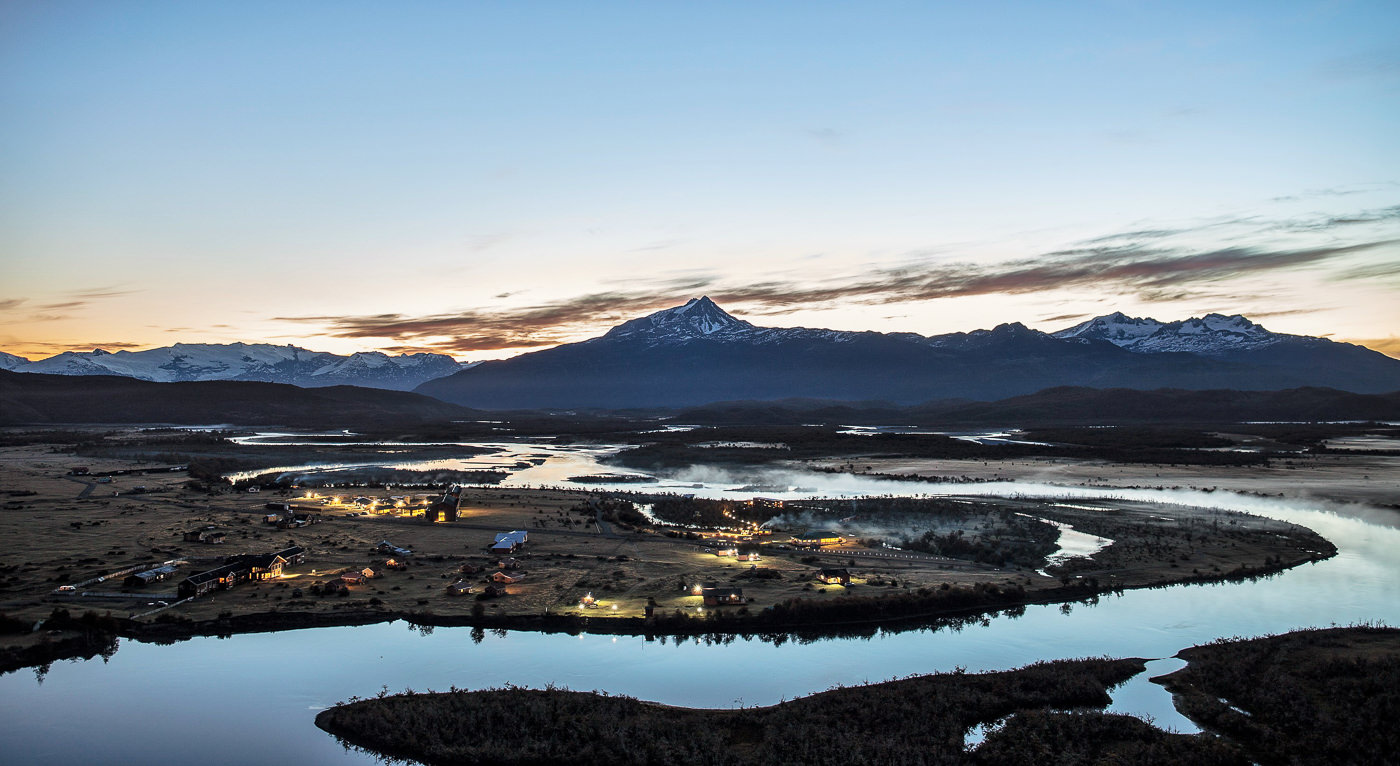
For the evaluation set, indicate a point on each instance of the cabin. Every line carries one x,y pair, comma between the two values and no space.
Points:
352,578
508,578
459,588
508,563
272,518
395,565
717,596
818,538
510,542
493,590
834,576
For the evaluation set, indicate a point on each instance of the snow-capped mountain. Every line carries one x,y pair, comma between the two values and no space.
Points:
1210,335
249,361
696,354
701,319
10,361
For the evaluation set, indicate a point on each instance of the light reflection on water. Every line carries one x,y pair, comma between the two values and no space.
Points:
253,697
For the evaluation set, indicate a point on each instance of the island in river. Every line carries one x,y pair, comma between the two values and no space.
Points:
1317,696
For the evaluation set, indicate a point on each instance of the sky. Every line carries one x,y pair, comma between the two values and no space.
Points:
486,179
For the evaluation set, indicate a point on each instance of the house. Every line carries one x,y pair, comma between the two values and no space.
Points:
818,538
750,556
352,578
834,576
293,555
493,590
446,507
459,588
727,552
385,546
507,578
510,542
291,520
717,596
207,535
261,566
396,565
508,563
272,518
79,470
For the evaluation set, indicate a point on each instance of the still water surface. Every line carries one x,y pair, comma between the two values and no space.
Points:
252,698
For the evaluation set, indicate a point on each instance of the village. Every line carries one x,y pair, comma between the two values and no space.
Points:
168,552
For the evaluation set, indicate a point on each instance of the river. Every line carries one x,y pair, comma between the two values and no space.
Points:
252,698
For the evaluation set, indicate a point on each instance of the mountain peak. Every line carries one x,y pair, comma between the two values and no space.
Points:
699,317
1212,334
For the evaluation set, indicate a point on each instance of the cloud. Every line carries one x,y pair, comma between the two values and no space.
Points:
469,331
1063,317
1153,273
10,304
1156,273
1148,263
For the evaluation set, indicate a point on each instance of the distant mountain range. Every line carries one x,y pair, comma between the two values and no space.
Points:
184,362
697,353
34,398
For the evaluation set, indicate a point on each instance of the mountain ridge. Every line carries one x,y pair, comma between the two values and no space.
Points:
697,353
248,362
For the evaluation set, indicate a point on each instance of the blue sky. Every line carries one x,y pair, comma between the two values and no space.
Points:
487,178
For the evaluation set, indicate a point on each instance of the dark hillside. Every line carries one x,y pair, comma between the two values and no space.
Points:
27,398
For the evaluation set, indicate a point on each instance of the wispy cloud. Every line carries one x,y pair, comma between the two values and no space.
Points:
471,331
10,304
